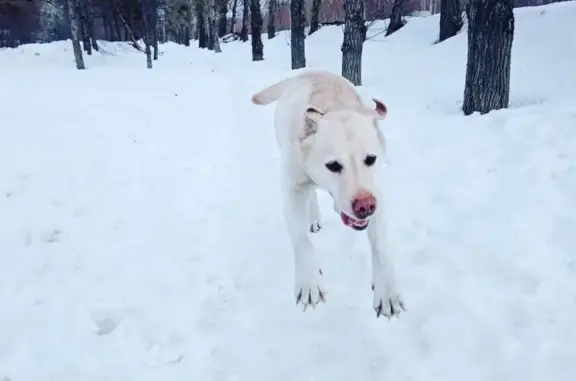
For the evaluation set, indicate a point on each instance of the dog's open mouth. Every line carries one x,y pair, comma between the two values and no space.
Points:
353,223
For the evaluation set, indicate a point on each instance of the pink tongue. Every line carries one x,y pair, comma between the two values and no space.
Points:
351,222
345,219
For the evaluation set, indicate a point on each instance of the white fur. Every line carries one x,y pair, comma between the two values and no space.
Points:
320,118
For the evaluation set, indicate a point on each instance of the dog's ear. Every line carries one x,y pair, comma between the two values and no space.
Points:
379,111
311,119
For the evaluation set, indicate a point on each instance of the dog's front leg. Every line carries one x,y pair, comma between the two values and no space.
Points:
309,287
314,212
387,300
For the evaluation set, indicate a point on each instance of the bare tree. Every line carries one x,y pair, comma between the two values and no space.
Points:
200,10
233,19
161,35
297,34
86,13
354,36
91,27
244,30
256,30
85,35
212,8
396,21
490,36
450,19
315,14
75,32
149,17
222,11
271,19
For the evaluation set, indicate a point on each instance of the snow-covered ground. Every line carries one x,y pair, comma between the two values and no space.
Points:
141,232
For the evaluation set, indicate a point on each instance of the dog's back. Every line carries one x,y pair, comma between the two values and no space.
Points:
325,91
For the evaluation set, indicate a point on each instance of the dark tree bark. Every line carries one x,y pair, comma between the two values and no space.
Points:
271,19
354,36
90,24
208,21
161,36
155,43
201,28
222,17
210,16
396,21
128,32
490,36
315,14
83,13
117,28
233,19
450,19
75,32
187,36
87,26
297,34
256,30
107,28
216,42
244,30
148,53
149,9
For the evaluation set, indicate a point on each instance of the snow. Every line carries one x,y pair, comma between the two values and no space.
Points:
141,231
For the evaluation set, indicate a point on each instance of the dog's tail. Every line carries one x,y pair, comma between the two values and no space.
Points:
271,93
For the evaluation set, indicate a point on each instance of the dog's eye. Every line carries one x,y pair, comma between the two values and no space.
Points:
370,160
334,166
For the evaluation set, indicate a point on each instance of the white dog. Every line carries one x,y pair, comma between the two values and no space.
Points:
329,139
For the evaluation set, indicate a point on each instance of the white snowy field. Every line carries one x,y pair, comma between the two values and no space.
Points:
141,231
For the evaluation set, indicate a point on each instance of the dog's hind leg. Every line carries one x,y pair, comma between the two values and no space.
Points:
314,212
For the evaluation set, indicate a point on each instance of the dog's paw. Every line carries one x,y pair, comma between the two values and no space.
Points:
310,291
387,303
315,227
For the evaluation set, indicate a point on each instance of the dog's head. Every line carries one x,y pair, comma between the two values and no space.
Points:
340,152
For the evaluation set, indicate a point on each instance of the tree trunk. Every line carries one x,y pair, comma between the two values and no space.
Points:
450,19
222,17
161,25
271,19
187,36
244,30
149,18
75,32
155,43
216,42
107,28
314,23
256,31
84,30
209,30
212,12
297,35
233,20
354,36
117,29
90,24
148,52
396,21
490,36
201,28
